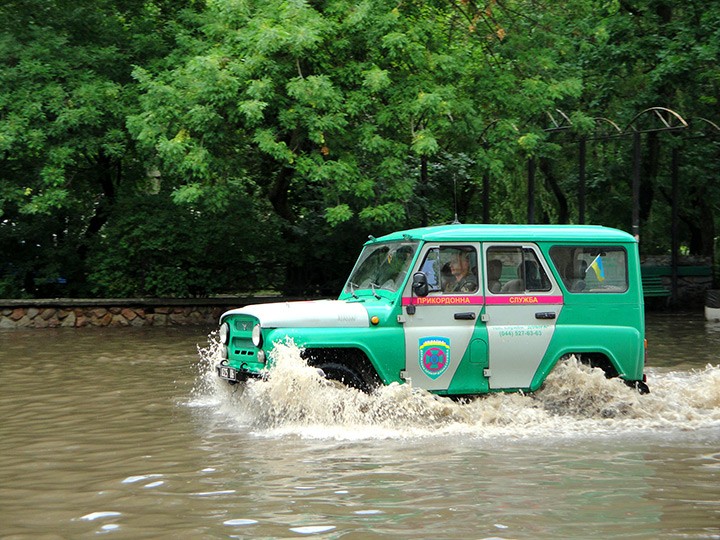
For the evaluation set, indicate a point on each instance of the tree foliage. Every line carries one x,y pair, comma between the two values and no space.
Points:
170,148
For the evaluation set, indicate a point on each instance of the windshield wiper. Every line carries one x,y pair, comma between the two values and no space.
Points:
352,289
372,286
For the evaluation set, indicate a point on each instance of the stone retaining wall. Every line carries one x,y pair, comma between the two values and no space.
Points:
73,313
21,317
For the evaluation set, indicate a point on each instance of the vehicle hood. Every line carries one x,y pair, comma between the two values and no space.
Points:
310,314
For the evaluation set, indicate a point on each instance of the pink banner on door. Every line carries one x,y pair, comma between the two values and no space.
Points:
523,299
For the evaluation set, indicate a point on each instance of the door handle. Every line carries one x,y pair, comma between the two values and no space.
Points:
545,315
465,316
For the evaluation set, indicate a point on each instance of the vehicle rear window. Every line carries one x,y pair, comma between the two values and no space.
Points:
591,269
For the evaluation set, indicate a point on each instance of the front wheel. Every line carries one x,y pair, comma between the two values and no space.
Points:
344,374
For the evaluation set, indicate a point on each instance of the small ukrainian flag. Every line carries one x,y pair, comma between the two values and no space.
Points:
597,267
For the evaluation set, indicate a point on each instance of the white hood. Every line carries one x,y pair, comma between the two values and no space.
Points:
310,314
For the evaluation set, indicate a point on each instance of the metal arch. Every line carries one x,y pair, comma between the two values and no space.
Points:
564,122
606,129
711,126
612,131
482,138
667,122
711,123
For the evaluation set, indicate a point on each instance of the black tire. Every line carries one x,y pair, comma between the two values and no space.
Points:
345,374
640,386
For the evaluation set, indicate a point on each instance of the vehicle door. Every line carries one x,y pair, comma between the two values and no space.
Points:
440,328
523,303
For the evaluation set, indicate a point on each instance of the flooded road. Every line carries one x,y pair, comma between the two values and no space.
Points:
126,433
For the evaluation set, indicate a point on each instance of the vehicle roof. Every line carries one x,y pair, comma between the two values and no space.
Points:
511,233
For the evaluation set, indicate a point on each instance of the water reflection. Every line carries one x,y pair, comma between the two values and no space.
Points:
684,340
120,432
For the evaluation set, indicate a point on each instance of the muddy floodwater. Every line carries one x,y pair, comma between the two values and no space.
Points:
126,433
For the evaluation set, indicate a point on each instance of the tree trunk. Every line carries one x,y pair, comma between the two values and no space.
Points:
650,167
278,194
109,177
551,183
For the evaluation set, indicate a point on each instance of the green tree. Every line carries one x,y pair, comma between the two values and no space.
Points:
325,120
152,246
342,109
65,153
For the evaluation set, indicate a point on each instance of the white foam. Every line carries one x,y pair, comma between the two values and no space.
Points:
312,529
140,477
99,515
295,400
239,522
214,493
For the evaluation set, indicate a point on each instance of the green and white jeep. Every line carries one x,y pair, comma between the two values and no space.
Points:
462,310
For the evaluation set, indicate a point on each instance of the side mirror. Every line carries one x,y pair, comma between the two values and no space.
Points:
420,284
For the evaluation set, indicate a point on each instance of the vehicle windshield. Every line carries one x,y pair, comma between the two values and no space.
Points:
382,266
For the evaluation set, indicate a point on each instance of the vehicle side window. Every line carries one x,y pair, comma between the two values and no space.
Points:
515,269
451,269
591,269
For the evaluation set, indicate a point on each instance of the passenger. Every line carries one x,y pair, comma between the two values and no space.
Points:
533,280
516,285
576,272
529,279
494,271
465,280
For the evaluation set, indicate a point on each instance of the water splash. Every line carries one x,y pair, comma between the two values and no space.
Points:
209,389
294,399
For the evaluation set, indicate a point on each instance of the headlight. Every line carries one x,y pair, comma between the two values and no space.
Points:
224,333
257,335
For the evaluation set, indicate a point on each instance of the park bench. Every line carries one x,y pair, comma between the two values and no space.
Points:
653,286
654,278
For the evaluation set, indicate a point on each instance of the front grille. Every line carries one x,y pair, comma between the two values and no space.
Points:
241,347
243,326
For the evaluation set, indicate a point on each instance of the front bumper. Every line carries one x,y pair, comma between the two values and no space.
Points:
235,375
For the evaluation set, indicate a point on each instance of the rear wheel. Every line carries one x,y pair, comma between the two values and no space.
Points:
640,386
597,360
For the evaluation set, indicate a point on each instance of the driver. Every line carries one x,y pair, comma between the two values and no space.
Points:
465,279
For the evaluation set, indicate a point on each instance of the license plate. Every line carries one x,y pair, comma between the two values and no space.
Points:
226,372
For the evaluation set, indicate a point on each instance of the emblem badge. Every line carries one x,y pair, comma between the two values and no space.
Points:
434,356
